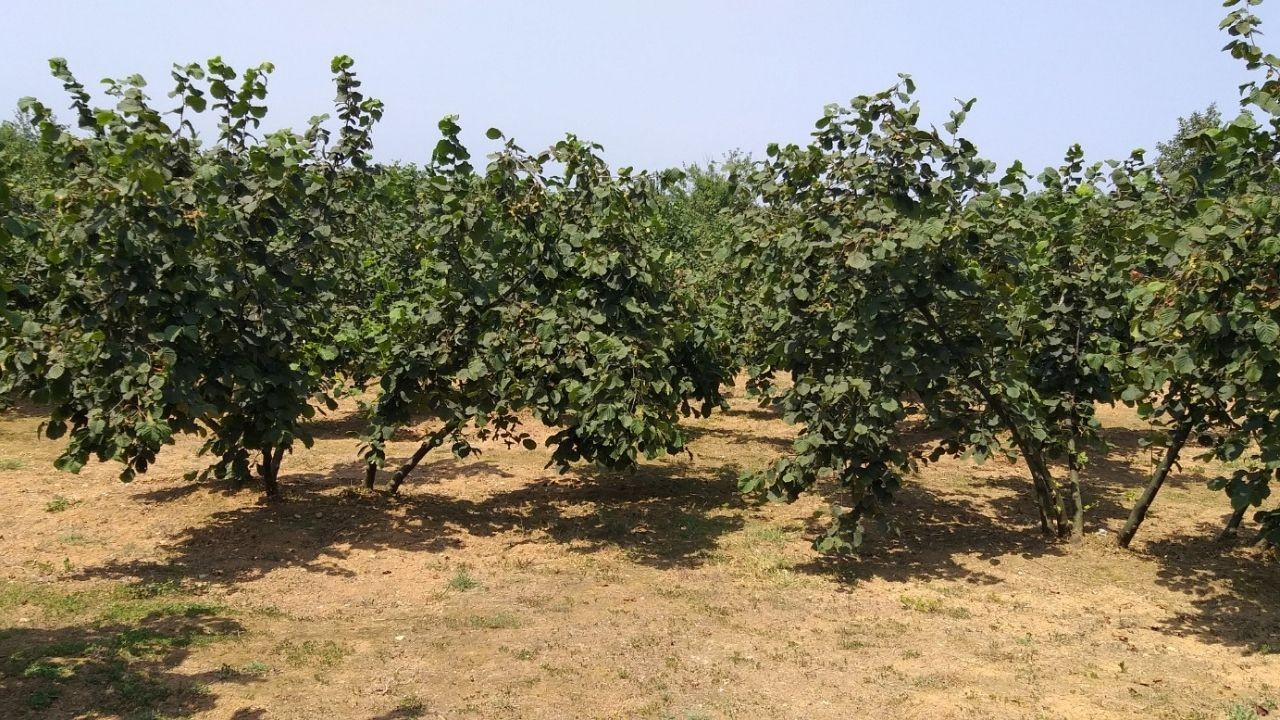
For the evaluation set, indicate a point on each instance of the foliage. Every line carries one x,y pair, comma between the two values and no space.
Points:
1181,155
543,294
902,285
888,290
178,287
1207,362
874,282
699,208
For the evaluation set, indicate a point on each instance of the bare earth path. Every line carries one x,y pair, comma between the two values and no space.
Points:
496,589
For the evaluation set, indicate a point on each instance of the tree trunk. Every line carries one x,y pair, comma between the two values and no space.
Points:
1077,494
270,469
370,475
1139,512
1232,529
436,440
1053,516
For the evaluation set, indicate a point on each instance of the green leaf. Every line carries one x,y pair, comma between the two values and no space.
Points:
1267,330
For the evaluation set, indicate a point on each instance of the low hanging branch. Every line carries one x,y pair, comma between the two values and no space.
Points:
1177,439
434,441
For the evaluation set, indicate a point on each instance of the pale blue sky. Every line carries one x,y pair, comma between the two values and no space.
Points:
662,82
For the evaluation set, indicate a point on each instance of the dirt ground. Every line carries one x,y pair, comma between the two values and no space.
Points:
495,588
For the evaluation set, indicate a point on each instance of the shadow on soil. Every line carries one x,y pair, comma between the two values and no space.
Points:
1232,588
111,669
672,516
663,516
776,444
939,534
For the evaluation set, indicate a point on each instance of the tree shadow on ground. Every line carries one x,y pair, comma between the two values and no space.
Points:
111,670
781,444
23,411
1231,588
940,532
938,535
672,516
663,516
771,413
335,426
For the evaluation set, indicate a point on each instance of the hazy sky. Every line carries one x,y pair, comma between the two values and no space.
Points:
662,82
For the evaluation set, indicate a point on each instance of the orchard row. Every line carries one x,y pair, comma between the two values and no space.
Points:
156,283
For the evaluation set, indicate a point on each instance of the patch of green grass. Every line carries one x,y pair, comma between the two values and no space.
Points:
57,504
933,606
765,535
155,588
132,688
45,670
42,698
495,621
921,604
1250,710
109,661
75,537
131,611
148,642
255,667
12,464
102,604
411,706
48,599
312,653
462,581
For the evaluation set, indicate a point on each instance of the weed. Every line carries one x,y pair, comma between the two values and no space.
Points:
310,653
132,611
921,604
47,671
155,588
851,639
496,621
12,464
48,600
461,581
411,706
42,698
1251,711
934,605
255,667
765,534
57,504
75,537
145,642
